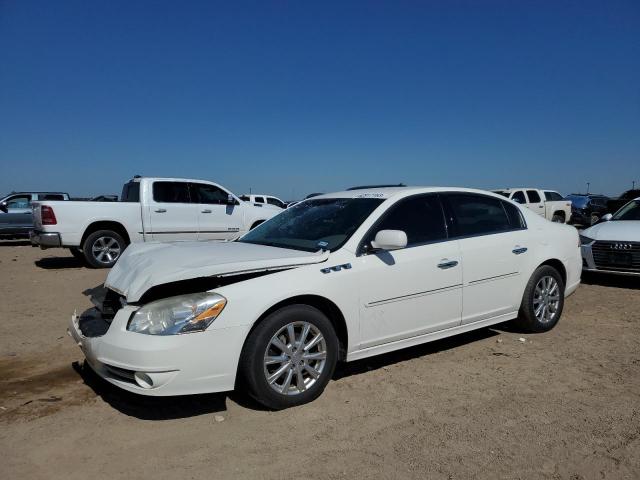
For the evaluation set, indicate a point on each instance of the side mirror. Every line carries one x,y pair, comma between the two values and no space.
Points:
3,207
606,218
390,240
231,200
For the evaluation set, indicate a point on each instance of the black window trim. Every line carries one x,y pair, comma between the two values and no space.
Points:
449,215
361,250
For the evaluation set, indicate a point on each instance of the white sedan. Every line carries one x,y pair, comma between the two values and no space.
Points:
338,277
613,245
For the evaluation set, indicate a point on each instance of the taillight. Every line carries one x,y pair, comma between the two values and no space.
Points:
47,215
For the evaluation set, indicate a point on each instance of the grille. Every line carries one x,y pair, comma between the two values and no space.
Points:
619,256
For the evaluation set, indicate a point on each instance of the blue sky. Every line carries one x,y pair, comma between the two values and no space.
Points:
296,97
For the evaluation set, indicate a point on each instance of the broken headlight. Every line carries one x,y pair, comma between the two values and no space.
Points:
175,315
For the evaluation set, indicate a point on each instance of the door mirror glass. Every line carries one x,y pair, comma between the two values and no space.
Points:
390,240
3,207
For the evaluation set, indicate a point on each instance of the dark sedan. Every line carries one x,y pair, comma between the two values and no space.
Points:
586,209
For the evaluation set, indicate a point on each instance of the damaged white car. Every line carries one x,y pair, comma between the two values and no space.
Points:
339,277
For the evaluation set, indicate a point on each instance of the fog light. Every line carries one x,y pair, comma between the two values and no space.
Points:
143,380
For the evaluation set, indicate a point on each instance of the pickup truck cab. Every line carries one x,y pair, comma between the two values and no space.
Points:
150,209
546,203
16,217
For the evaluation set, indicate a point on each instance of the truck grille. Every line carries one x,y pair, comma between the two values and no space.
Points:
618,256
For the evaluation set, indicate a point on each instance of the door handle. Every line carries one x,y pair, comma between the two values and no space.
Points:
206,211
540,206
161,210
519,250
447,264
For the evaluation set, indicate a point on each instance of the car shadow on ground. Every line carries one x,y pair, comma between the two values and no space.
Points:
150,408
176,407
380,361
57,263
14,243
611,280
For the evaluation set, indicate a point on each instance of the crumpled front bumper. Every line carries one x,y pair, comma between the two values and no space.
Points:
202,362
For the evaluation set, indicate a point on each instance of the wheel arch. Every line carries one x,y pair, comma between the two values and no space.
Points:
106,225
558,265
326,306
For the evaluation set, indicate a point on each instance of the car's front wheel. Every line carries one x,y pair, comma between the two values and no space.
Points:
543,300
289,357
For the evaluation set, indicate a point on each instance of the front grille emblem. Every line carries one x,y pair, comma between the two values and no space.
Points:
620,246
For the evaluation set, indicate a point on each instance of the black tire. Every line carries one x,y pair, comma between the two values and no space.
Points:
253,371
557,218
527,318
594,219
77,253
92,244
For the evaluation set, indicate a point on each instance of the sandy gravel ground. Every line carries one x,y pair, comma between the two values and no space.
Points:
564,404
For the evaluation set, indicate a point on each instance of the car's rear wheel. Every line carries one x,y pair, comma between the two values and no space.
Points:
557,218
289,357
102,248
594,219
543,300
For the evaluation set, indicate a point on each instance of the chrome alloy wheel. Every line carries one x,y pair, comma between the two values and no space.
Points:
546,299
106,249
295,358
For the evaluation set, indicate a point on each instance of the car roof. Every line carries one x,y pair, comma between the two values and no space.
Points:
511,189
32,192
396,192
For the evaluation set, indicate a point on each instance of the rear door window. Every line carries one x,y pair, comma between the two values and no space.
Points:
171,192
51,196
552,196
475,214
275,201
259,200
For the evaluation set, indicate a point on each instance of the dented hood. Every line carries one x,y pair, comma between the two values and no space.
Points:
146,265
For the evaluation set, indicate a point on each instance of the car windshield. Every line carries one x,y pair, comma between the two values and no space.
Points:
578,201
631,211
314,224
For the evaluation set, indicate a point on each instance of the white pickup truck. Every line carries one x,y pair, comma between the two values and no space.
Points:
150,209
546,203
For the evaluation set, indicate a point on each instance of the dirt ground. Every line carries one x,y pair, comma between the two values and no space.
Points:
565,404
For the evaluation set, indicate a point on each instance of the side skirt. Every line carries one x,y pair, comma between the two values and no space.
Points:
429,337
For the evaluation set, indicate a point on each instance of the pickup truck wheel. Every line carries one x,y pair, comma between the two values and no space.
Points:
102,249
557,218
542,301
289,358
